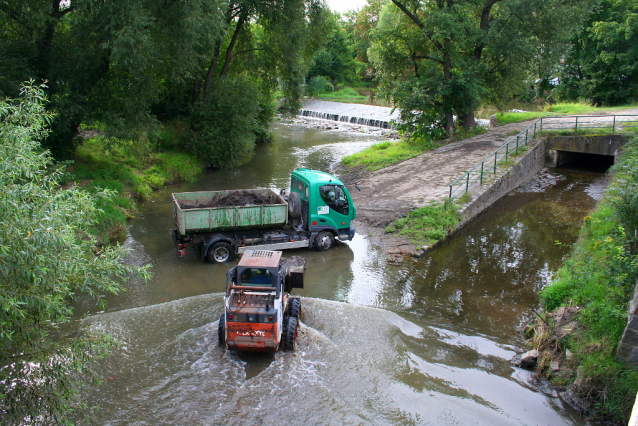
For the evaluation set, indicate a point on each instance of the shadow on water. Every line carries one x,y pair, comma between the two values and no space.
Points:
255,362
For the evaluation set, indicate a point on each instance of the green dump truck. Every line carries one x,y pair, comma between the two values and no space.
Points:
219,224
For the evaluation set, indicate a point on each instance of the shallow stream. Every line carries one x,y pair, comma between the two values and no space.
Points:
428,342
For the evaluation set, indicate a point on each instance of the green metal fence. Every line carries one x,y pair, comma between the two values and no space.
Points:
610,124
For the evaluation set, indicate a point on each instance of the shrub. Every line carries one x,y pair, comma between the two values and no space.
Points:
223,128
319,85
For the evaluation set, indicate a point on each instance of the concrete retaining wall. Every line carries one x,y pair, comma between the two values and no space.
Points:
525,169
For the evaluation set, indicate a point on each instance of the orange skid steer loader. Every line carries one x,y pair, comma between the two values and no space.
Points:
260,314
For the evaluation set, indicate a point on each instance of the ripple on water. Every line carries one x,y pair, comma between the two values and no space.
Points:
353,365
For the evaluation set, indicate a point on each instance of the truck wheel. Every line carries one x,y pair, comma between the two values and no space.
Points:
324,240
294,307
221,330
294,205
220,252
289,333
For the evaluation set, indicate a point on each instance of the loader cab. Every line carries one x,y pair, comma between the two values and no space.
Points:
257,270
326,200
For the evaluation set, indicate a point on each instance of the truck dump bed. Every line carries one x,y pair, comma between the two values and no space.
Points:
207,211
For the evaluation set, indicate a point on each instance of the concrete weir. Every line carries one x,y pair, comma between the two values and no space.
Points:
356,114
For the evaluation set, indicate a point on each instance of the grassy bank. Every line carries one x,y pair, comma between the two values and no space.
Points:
346,94
427,225
559,109
598,278
516,117
132,171
387,153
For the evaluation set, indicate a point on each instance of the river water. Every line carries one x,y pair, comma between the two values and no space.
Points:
427,342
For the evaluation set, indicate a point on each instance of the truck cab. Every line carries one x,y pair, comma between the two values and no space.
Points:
260,314
327,205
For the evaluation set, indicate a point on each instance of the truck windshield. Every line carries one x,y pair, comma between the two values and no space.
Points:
335,197
256,277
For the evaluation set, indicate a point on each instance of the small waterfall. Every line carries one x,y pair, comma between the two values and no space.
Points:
371,122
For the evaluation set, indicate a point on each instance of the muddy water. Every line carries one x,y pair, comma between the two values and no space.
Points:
428,342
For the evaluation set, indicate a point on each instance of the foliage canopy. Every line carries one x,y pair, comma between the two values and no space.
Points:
441,59
47,258
133,64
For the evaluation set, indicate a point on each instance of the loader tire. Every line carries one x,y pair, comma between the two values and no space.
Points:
294,307
221,330
289,333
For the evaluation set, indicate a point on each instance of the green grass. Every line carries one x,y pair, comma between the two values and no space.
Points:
346,94
564,108
132,172
600,276
387,153
584,108
516,117
426,225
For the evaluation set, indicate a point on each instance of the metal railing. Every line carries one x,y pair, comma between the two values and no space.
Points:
575,123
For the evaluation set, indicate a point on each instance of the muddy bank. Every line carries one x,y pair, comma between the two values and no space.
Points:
552,362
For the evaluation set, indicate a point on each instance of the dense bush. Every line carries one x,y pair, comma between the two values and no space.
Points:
47,258
225,127
319,85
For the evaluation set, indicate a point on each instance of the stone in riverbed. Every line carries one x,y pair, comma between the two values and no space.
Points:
528,359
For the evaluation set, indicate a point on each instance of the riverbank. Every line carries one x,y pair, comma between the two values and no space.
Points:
576,340
132,171
392,192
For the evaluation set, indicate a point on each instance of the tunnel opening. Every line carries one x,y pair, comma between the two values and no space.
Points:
584,162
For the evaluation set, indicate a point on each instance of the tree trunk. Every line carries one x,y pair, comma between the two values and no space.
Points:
447,75
467,120
211,70
231,46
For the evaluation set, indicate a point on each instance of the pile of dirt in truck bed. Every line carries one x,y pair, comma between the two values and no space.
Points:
234,199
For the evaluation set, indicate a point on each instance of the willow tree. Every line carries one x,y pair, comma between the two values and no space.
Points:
47,258
109,61
262,51
441,59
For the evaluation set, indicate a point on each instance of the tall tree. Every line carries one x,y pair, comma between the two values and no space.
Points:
263,48
47,257
452,55
602,65
336,58
102,60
